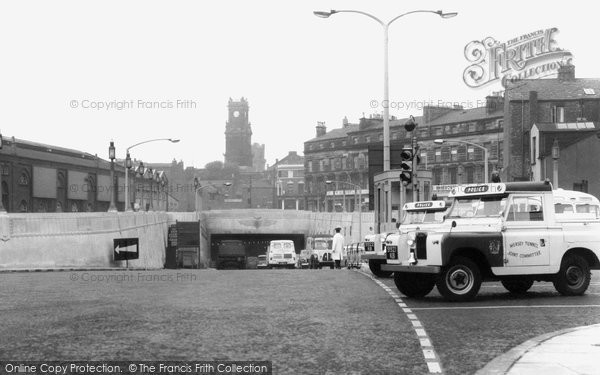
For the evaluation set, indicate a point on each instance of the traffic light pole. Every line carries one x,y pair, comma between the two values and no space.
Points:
415,180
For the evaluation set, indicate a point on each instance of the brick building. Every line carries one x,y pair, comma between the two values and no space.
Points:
287,175
43,178
548,103
343,154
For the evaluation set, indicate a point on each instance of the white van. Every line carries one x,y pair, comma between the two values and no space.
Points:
281,253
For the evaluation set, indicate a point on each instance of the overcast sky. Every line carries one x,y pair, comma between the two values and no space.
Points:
294,68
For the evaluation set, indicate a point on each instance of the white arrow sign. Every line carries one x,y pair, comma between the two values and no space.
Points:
126,249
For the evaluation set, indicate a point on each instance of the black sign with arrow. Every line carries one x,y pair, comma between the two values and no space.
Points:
126,248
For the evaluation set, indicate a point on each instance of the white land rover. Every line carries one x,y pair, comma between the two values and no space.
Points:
375,253
501,231
417,216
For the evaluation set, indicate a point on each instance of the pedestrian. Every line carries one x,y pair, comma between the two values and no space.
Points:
337,247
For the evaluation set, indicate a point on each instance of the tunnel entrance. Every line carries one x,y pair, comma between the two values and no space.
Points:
255,244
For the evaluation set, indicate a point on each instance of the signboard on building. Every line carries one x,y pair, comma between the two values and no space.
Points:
126,248
442,190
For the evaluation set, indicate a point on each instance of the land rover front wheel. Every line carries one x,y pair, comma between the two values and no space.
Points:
573,278
414,285
460,280
375,267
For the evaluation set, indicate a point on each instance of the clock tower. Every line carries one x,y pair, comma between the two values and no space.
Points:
238,134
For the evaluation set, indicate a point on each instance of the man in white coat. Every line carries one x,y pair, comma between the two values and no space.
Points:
337,247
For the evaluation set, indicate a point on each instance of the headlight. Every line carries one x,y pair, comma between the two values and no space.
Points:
411,239
410,242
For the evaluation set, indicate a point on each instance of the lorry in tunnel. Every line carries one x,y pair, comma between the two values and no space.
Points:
231,254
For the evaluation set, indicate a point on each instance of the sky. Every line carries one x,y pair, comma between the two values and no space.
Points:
79,74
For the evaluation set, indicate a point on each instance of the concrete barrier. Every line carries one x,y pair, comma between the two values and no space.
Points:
85,240
80,240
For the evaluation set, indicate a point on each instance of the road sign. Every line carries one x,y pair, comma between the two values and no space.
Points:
126,248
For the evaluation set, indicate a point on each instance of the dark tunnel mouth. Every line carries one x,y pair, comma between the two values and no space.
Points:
256,244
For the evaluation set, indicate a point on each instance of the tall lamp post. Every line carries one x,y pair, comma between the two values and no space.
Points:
2,208
197,188
356,188
111,155
385,102
128,165
485,153
555,157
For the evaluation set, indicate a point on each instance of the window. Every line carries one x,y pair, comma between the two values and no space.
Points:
355,140
332,145
438,130
454,153
472,127
394,135
24,181
527,208
558,114
300,188
368,139
453,175
470,152
438,155
470,175
310,167
321,146
437,176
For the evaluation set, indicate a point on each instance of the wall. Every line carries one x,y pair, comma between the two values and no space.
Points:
72,240
85,240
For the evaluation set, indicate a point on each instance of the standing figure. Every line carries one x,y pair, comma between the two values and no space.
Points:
337,247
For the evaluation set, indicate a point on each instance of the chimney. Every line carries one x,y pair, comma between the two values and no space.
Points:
566,72
345,122
493,103
292,153
362,124
321,129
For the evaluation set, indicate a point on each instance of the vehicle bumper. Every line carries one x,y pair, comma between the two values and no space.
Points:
415,269
372,256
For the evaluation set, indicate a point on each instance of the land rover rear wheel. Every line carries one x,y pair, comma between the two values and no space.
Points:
517,286
375,267
460,280
414,285
573,278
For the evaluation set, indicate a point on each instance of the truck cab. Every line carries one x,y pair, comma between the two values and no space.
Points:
321,252
232,254
501,231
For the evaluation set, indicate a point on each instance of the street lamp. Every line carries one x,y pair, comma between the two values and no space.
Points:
555,157
197,188
111,155
128,165
485,153
385,102
356,187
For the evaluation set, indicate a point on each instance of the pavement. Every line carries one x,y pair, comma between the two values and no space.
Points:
566,352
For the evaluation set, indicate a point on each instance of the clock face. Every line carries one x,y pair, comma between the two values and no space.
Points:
236,114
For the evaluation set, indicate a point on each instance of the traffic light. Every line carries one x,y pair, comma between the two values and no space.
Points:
406,175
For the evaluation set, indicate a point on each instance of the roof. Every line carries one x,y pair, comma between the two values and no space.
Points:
554,89
466,115
566,133
335,133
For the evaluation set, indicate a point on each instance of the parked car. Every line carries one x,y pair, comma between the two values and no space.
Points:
303,258
262,262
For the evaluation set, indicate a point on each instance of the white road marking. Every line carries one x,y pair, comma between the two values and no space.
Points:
428,350
434,367
501,307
